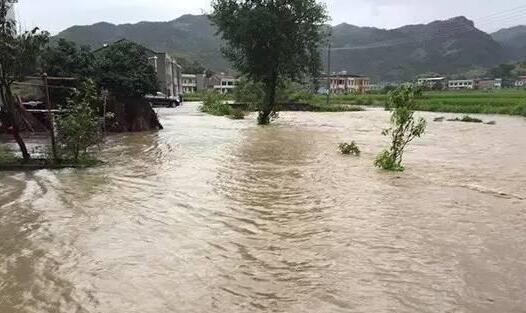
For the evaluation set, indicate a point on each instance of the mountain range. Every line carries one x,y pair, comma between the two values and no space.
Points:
448,46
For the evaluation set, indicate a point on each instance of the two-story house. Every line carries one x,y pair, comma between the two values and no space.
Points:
345,83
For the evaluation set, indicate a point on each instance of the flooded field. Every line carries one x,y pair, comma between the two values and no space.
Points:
216,215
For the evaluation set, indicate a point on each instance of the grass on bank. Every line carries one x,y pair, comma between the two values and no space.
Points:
511,102
9,161
506,101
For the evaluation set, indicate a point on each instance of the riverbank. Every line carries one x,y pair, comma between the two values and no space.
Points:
508,102
44,164
9,161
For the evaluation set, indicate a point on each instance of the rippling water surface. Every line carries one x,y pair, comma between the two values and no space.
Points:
215,215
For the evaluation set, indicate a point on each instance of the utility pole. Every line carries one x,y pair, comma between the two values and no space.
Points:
329,74
50,118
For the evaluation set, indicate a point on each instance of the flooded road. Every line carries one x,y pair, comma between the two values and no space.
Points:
216,215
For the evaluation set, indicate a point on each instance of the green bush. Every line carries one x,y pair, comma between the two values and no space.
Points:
79,128
388,161
348,149
214,104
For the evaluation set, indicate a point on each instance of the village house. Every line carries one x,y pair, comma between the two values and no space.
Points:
461,84
433,82
222,83
169,72
346,83
489,83
189,82
520,82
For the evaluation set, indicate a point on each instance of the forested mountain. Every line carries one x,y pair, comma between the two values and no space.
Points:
513,40
449,46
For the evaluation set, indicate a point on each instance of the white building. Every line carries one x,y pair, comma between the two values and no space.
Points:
432,82
461,84
189,82
223,83
344,83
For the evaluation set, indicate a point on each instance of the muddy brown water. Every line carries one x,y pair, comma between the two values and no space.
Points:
216,215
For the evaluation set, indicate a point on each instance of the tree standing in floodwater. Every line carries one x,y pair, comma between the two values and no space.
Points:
271,41
404,128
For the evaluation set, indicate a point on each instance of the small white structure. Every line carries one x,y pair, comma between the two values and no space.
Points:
498,83
461,84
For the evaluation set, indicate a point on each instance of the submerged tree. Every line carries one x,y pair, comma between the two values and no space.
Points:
271,41
18,54
404,128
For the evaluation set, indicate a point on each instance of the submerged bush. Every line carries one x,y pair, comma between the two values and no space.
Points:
237,114
348,149
214,104
466,119
404,128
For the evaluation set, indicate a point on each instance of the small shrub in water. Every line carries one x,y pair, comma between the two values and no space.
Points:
348,149
237,114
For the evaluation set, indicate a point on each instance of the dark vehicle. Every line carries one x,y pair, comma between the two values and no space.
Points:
162,100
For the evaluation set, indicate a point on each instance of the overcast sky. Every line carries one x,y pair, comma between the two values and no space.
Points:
56,15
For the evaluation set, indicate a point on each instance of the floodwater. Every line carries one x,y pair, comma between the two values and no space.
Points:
216,215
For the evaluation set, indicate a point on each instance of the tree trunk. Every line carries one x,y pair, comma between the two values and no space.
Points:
9,119
270,103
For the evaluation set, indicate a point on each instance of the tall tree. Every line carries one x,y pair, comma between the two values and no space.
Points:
271,41
65,58
18,54
124,70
